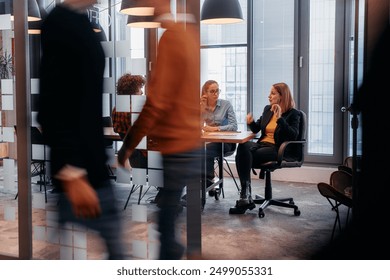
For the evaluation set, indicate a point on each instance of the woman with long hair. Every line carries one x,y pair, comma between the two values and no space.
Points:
278,123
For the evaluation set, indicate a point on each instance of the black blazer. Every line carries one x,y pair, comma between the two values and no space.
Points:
287,128
71,89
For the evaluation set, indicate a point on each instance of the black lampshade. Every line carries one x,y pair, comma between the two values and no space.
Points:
96,26
33,13
137,7
221,12
93,16
142,22
34,27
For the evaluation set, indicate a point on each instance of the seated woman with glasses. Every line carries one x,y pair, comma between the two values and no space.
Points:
217,115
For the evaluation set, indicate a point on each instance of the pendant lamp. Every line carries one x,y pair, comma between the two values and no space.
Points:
221,12
142,22
137,7
93,16
34,27
33,13
96,26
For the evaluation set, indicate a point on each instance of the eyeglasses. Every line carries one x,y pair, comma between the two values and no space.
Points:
214,91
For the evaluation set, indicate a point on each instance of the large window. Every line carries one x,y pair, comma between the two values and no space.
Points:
295,42
273,49
321,76
224,59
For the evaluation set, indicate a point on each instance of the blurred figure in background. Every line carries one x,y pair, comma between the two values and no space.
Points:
70,115
218,115
129,85
367,236
171,115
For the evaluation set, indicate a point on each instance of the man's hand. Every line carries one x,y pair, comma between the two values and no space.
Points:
82,197
123,155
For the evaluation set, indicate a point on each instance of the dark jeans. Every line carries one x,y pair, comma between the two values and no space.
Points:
251,154
180,170
108,224
213,151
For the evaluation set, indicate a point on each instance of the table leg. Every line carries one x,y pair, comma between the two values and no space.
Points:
204,179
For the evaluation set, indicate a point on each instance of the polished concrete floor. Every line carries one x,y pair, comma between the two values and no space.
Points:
278,236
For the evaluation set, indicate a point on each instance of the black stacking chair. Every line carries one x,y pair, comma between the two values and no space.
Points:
338,192
38,166
222,164
109,144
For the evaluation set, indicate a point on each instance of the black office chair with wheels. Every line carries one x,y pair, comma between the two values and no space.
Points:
282,162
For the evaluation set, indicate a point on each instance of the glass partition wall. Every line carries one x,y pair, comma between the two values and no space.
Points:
279,40
15,194
28,202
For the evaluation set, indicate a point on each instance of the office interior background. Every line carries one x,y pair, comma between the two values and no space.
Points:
320,48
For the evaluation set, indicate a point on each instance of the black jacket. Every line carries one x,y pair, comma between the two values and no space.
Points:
71,89
287,128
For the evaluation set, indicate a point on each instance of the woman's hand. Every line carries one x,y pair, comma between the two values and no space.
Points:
208,128
203,103
249,118
277,110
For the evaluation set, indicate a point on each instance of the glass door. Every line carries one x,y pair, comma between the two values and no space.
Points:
15,222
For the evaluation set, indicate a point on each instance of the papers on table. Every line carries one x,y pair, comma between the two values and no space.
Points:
223,133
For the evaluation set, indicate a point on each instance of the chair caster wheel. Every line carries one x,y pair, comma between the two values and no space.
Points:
297,212
261,213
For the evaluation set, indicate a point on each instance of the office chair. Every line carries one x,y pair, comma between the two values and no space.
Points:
138,184
219,167
223,163
141,194
109,144
338,192
282,162
140,180
38,164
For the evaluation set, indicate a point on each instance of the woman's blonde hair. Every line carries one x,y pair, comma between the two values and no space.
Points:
207,84
286,100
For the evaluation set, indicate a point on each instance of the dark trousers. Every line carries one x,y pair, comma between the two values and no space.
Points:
108,224
252,154
180,170
213,151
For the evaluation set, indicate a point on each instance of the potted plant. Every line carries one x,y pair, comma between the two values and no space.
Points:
6,72
6,65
